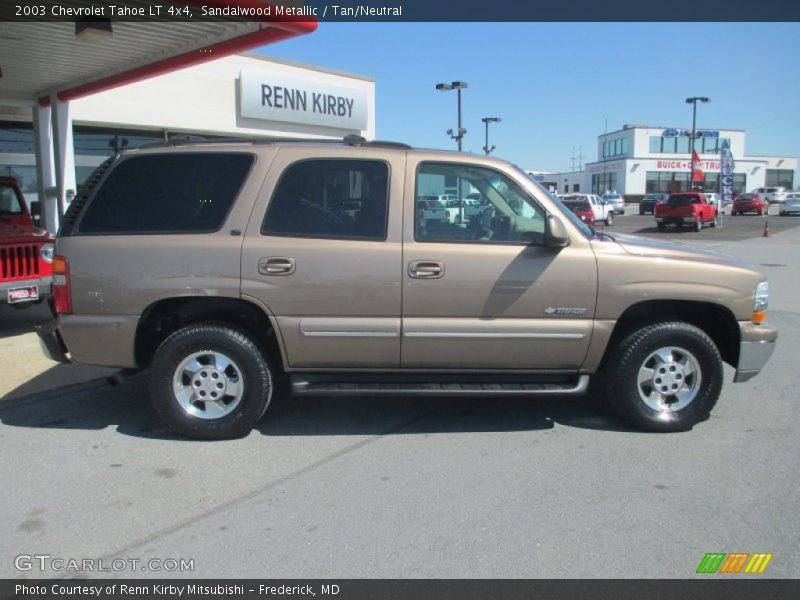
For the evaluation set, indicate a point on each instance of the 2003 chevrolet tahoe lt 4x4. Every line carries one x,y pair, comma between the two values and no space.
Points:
220,265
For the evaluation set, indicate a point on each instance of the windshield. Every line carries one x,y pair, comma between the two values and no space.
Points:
9,202
576,204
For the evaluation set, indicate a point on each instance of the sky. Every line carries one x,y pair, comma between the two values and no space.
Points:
555,85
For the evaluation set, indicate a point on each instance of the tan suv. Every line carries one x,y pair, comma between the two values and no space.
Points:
220,266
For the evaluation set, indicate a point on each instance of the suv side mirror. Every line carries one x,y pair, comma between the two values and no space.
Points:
555,233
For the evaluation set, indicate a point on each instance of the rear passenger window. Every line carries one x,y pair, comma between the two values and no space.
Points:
340,199
168,193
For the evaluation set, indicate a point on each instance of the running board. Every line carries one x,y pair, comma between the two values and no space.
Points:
302,386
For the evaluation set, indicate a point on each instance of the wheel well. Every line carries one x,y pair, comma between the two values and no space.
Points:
162,318
716,321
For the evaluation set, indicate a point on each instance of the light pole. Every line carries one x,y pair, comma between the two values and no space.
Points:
693,101
458,86
486,121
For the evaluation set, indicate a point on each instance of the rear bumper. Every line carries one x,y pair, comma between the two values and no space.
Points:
755,349
675,220
748,207
52,344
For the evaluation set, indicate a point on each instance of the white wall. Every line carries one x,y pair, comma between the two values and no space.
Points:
204,99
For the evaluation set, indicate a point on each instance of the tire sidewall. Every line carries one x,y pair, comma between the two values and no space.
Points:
622,380
237,345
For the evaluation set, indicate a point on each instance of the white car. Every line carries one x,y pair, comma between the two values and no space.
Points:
772,195
602,212
616,201
790,204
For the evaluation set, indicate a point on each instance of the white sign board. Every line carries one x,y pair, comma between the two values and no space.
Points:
273,97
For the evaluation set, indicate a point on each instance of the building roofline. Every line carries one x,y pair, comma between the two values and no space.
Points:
629,127
293,63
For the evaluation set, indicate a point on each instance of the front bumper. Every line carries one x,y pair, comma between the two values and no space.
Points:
44,284
757,345
52,344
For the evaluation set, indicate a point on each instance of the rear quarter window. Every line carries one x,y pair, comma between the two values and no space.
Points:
167,193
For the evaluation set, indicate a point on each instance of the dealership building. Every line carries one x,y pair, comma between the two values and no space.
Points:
238,96
641,159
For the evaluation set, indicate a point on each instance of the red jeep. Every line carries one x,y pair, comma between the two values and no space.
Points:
26,252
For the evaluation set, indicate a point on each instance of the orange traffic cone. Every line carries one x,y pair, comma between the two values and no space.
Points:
766,230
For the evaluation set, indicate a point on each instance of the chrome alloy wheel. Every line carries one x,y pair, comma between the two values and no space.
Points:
208,385
669,379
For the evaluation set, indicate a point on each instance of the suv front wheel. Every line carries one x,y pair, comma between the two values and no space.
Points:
664,377
210,381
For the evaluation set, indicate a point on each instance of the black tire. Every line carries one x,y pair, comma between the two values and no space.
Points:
610,219
248,373
633,352
661,226
698,225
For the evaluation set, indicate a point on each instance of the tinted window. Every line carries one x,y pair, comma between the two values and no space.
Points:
167,193
682,200
330,199
9,203
576,205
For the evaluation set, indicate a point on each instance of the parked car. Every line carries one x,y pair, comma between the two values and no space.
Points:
790,204
601,211
26,251
748,203
686,208
772,195
581,208
432,210
616,201
649,202
219,283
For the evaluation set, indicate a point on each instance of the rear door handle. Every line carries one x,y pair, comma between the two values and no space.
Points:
426,269
276,265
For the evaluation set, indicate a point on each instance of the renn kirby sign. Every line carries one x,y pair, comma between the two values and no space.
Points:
271,97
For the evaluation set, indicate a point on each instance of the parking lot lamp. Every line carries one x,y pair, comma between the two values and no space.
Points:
486,121
458,86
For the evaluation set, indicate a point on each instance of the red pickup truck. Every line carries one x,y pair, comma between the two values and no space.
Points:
26,252
686,208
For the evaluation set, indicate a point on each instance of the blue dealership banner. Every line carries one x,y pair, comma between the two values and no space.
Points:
726,173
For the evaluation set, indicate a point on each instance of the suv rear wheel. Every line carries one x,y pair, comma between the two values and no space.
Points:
210,381
610,218
664,377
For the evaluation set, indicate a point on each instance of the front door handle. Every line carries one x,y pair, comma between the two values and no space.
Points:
426,269
276,265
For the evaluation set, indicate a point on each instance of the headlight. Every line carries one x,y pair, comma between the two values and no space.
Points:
48,251
760,301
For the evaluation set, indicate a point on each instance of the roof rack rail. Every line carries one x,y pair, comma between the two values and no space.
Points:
351,140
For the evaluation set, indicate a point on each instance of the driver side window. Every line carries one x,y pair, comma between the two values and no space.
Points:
468,203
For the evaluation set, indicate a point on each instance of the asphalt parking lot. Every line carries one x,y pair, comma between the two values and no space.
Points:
416,488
